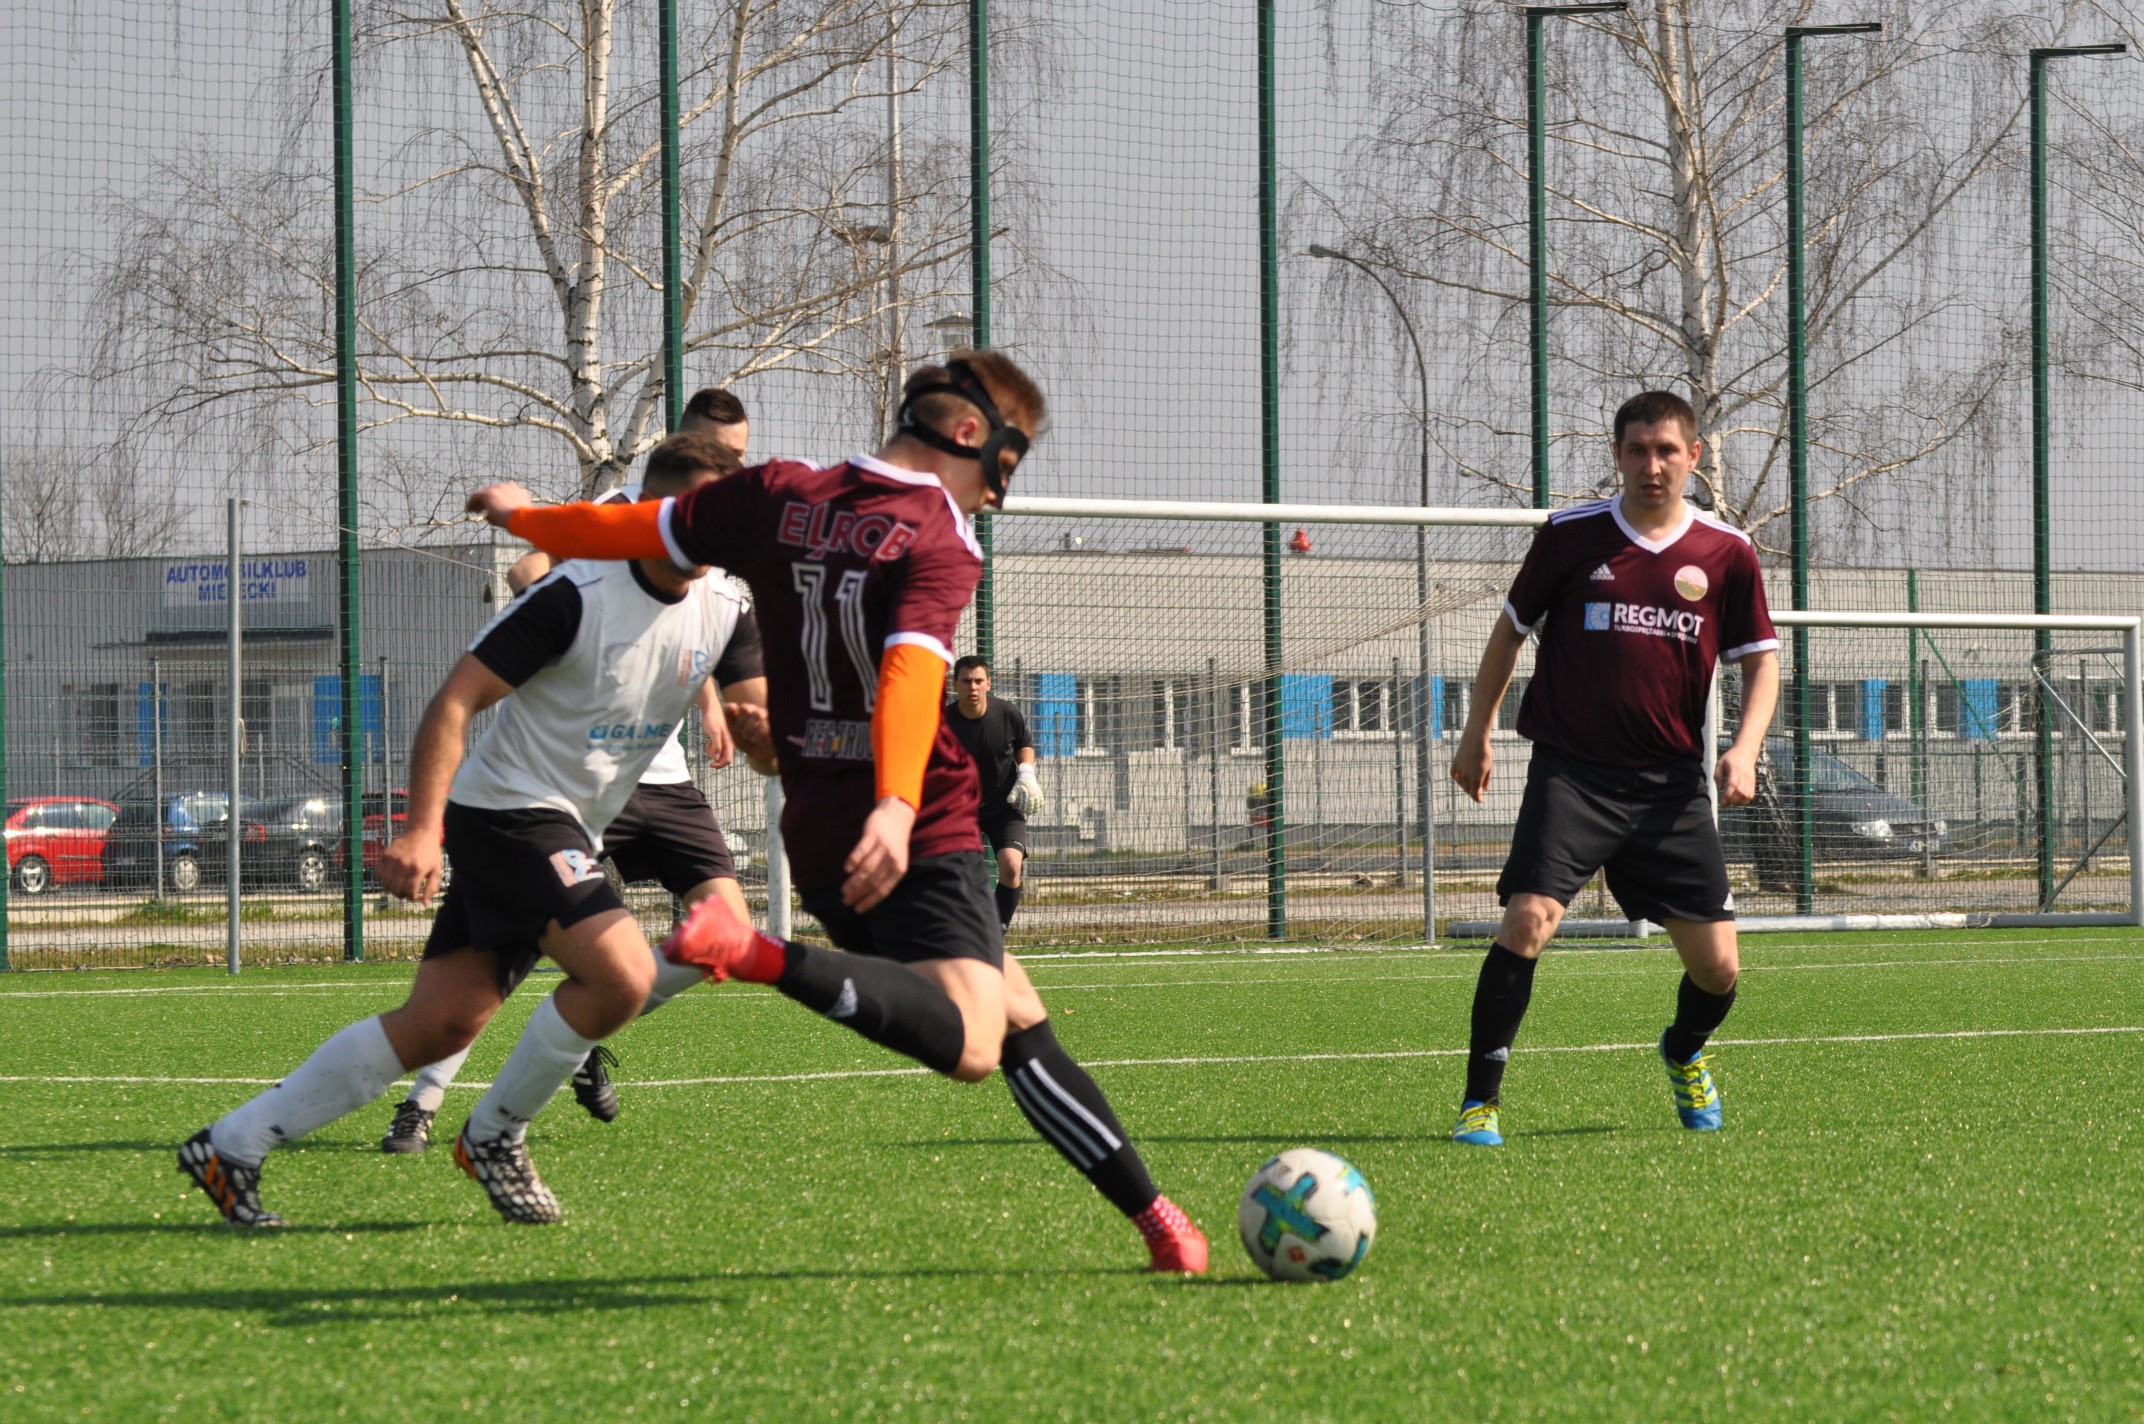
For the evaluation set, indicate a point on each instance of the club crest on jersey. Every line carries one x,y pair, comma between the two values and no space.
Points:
1691,583
821,529
575,867
692,665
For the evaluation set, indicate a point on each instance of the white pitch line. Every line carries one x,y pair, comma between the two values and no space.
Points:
1222,1060
741,995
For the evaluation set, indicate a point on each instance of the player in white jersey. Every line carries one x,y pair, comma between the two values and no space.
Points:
666,833
590,673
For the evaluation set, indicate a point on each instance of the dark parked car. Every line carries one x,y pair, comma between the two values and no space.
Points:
187,830
56,840
1852,817
300,844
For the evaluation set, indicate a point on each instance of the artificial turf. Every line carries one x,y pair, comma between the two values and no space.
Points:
1941,1226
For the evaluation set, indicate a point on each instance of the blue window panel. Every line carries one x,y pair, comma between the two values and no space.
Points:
145,707
1977,709
327,718
1054,719
1436,707
1306,706
1872,691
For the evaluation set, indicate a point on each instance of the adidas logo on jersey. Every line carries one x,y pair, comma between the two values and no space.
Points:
1602,575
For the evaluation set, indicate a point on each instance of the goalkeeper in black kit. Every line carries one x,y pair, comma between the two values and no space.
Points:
995,735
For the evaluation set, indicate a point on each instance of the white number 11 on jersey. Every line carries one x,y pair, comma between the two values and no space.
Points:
810,583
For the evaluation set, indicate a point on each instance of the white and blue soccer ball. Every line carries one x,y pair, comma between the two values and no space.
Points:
1307,1216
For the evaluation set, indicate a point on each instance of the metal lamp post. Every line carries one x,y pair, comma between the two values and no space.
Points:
2042,517
1798,452
1537,221
1425,796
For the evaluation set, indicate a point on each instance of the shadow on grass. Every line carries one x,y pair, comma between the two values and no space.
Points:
203,1228
298,1305
1256,1139
1599,1129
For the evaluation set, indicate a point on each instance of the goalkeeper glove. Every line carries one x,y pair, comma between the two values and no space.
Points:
1026,792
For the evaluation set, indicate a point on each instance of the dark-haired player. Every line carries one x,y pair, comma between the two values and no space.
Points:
667,831
1635,600
995,735
859,575
589,673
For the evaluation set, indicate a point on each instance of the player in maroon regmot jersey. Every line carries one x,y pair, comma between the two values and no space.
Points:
1635,600
859,576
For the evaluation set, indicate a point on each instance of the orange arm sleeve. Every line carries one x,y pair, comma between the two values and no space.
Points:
904,720
593,531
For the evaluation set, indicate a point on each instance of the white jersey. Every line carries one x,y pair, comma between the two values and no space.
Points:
605,666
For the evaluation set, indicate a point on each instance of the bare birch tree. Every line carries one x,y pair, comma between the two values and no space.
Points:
509,258
1667,263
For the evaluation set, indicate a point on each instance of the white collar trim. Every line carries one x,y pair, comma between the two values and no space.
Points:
1651,546
961,520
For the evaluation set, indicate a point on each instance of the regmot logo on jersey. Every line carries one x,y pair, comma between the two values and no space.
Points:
1648,619
821,529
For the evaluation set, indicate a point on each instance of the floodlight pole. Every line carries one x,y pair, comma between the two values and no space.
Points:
1537,220
1798,453
2042,516
1424,791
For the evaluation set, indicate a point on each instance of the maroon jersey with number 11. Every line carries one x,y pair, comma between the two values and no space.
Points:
843,563
1631,629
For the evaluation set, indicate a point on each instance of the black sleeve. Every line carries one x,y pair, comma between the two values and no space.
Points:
1017,721
741,657
533,633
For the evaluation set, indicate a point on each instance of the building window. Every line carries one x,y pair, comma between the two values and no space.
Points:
1362,707
1507,713
93,731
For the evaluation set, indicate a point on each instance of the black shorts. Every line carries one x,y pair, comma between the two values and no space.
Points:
1005,827
514,873
1650,827
668,833
942,909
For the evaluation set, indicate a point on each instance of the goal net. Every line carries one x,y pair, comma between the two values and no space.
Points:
1250,741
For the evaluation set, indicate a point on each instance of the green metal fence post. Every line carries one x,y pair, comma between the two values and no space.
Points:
986,593
348,581
1798,455
1276,803
4,878
1914,710
2042,538
1537,223
673,235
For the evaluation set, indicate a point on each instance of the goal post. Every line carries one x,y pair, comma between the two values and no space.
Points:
1133,634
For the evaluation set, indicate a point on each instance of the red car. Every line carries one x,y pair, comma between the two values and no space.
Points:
56,840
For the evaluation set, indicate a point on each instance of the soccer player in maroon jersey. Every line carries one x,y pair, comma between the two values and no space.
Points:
1635,600
859,575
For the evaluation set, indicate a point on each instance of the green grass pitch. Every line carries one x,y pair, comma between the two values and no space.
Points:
1927,1204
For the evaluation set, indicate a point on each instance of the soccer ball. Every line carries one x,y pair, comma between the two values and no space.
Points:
1307,1216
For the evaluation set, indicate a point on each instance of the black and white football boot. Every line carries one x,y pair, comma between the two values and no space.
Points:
502,1167
591,1084
234,1187
411,1131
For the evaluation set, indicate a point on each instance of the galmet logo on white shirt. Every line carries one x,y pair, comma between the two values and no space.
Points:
624,738
1646,619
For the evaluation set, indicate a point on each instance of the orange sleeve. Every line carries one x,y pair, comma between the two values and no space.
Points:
904,720
593,531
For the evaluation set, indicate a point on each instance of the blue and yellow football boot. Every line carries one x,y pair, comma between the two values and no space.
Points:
1477,1125
1697,1101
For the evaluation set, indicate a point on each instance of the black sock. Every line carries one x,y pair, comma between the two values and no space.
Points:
888,1003
1500,998
1068,1109
1008,902
1697,1014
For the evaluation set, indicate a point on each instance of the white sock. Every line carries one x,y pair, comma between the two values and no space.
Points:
350,1070
671,980
430,1089
544,1058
